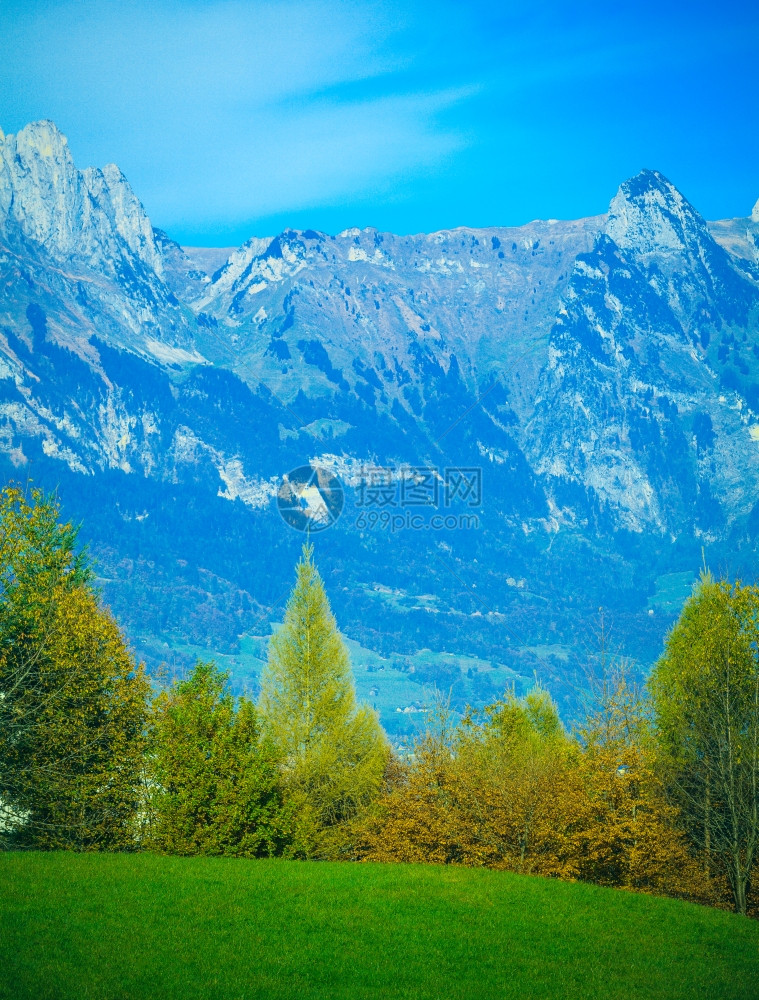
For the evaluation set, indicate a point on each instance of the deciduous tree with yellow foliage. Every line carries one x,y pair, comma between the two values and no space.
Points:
630,836
502,791
73,704
511,789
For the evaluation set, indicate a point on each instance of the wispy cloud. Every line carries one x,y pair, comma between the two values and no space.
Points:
234,110
232,115
318,154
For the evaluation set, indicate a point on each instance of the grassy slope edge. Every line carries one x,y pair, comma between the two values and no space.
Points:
128,927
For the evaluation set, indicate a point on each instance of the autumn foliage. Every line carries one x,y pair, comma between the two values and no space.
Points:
652,791
512,790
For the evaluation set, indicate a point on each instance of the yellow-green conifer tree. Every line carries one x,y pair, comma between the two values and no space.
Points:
332,752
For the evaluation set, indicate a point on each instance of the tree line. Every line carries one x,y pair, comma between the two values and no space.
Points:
655,790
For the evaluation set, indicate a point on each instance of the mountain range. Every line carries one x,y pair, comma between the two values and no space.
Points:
577,403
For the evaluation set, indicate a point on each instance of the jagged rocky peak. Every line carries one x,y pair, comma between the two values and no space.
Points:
755,212
650,215
40,187
111,192
72,213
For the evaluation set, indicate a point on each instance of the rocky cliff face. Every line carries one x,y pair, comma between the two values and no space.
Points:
603,374
386,303
652,420
82,238
90,217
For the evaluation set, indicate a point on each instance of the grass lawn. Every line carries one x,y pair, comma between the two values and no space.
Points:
127,927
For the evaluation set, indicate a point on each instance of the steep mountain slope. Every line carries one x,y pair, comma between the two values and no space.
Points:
739,236
653,423
599,379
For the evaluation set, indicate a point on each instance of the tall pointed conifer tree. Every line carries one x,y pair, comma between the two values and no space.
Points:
333,752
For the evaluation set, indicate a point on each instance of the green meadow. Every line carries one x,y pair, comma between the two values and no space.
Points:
132,927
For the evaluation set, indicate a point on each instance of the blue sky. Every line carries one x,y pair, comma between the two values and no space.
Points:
241,117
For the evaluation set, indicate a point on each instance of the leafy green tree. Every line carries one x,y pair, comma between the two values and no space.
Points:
72,702
215,782
332,752
705,691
